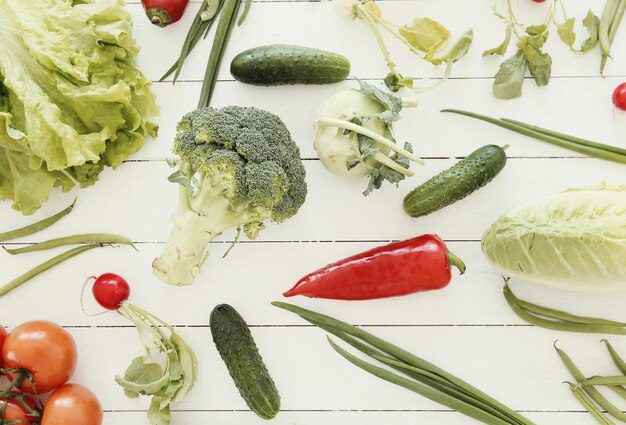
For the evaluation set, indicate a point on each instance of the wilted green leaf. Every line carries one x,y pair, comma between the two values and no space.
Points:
592,23
143,377
502,47
425,34
392,104
510,77
539,63
566,31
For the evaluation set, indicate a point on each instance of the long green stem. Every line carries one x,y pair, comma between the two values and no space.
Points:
43,267
381,44
603,381
423,390
584,149
347,125
385,160
567,137
36,227
224,29
73,240
399,354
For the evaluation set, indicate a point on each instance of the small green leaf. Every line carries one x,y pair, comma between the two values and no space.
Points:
501,49
566,31
539,63
425,34
509,79
592,23
536,30
143,377
392,104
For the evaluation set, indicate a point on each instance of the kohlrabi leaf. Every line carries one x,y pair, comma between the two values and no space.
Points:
574,240
391,103
509,79
425,34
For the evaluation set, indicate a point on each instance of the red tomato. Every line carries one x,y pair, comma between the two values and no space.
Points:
619,97
3,334
44,349
110,290
72,404
13,412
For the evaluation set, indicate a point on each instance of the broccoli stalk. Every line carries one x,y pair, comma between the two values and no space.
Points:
238,166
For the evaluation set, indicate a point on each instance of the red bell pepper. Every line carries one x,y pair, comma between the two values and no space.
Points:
414,265
164,12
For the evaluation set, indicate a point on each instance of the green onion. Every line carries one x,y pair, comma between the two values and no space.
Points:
36,227
196,30
73,240
43,267
423,390
437,381
596,150
224,29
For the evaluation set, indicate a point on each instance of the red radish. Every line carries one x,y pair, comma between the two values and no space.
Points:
110,290
164,12
539,1
619,97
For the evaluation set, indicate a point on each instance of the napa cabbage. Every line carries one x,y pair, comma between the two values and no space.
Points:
575,240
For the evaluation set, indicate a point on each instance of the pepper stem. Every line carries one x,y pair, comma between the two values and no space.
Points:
455,261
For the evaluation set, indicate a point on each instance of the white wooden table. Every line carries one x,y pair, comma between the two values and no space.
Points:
466,328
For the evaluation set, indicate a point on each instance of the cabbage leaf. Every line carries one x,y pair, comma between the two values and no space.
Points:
71,98
575,240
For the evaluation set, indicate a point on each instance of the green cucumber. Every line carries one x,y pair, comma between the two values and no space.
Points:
455,183
245,365
277,64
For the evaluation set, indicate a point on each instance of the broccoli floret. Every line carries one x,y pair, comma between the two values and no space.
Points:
238,167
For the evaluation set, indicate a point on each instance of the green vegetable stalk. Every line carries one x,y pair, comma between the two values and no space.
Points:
238,167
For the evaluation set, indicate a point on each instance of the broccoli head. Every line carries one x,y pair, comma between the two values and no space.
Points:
238,167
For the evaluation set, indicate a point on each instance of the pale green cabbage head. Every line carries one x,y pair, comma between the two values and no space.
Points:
574,240
71,98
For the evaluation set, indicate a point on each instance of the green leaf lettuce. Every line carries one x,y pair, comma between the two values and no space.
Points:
71,99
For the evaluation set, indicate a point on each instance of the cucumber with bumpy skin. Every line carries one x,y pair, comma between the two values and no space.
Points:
245,365
278,64
455,183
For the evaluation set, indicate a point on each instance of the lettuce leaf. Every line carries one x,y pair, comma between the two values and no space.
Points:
71,98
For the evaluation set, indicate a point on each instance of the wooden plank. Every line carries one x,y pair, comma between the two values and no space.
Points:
311,376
